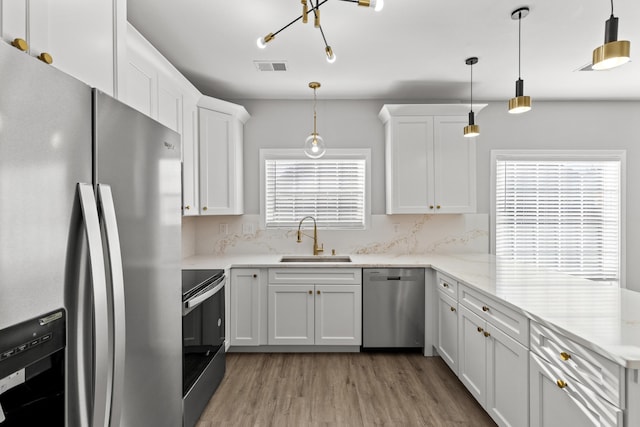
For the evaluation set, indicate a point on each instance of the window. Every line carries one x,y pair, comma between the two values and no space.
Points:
333,189
560,211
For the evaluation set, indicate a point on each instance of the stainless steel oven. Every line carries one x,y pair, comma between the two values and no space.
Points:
203,352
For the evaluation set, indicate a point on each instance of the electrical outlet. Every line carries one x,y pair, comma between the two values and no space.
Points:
396,228
224,229
247,228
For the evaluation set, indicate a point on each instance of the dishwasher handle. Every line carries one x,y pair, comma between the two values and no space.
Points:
394,278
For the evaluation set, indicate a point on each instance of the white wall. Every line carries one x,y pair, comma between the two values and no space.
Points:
550,125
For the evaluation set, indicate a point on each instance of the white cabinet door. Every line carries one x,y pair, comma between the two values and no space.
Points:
169,104
454,166
448,331
338,315
84,38
472,353
220,163
430,166
507,379
190,170
141,84
557,400
291,314
409,157
245,306
14,20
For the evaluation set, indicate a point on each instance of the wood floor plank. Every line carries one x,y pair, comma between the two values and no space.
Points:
340,389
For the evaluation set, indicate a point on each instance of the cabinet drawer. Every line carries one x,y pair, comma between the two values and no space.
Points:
315,276
447,285
598,373
558,399
509,321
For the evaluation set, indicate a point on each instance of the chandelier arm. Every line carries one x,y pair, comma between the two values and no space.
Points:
323,37
313,9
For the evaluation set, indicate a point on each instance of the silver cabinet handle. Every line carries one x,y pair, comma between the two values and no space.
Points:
114,256
100,317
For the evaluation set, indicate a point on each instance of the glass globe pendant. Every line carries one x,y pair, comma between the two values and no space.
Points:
314,146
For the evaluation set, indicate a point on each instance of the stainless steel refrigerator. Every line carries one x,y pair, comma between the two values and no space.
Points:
90,222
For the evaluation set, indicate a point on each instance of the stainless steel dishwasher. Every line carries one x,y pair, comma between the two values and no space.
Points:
393,307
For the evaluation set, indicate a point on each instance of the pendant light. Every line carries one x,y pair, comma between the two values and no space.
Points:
314,145
521,103
613,52
472,129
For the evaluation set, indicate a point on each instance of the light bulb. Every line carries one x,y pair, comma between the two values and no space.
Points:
314,146
331,57
377,5
262,41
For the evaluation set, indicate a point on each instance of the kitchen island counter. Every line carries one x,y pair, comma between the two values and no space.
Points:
601,317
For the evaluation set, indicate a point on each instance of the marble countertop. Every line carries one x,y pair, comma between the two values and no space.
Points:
603,318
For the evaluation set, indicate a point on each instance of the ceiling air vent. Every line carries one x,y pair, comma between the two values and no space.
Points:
271,65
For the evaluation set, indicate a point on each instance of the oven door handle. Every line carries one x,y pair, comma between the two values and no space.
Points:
192,303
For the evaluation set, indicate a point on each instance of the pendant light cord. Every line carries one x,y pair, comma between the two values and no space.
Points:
611,8
471,106
315,131
520,41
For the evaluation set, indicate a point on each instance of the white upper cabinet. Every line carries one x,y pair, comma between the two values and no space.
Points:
221,130
84,39
430,165
154,87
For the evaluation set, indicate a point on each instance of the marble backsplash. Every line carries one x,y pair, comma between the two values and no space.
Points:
393,234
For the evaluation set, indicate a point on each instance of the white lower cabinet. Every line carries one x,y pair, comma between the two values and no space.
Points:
245,312
573,385
291,314
315,314
494,368
338,315
558,400
472,354
315,306
447,343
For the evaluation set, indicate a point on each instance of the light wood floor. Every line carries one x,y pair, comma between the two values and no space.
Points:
340,389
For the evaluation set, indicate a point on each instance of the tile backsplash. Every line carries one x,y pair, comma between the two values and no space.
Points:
394,234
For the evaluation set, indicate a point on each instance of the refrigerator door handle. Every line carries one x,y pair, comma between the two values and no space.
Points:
100,303
114,256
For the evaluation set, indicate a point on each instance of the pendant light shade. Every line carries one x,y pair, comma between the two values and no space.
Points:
520,103
613,52
314,144
472,129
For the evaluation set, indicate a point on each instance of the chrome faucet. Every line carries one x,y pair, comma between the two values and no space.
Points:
317,250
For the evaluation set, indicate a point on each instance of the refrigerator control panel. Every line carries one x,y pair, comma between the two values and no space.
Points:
23,344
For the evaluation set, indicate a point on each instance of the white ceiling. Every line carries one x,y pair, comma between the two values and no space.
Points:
411,50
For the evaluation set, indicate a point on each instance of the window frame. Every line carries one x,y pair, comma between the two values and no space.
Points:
559,155
298,154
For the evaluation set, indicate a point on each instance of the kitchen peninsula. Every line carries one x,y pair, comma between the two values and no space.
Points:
595,327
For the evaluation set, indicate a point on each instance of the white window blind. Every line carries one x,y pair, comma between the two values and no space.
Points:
561,215
330,190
